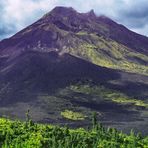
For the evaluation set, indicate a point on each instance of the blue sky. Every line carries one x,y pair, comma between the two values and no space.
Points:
17,14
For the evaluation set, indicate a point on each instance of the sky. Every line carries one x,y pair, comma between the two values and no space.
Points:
17,14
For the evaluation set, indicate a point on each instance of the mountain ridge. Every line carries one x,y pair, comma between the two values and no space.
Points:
101,19
66,30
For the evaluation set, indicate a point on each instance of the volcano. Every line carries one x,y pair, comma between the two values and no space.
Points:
79,62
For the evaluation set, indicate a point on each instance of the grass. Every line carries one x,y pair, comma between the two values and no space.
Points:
107,94
132,101
82,33
108,53
71,115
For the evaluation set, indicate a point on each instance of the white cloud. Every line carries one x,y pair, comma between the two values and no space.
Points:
20,13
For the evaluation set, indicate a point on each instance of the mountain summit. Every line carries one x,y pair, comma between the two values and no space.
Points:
76,61
65,11
62,20
86,35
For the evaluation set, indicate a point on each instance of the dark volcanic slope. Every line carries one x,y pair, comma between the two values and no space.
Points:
42,82
49,30
124,36
96,39
46,71
75,61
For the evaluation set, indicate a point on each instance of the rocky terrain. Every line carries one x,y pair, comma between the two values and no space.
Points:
76,62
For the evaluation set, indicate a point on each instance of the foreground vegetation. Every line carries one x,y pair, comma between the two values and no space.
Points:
16,134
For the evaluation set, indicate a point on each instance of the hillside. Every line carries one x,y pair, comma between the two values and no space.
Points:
69,62
97,39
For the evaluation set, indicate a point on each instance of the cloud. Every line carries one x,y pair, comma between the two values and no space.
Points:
21,12
17,14
134,14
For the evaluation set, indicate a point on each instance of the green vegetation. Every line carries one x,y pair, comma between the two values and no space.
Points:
68,114
108,53
16,134
82,33
107,94
130,101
